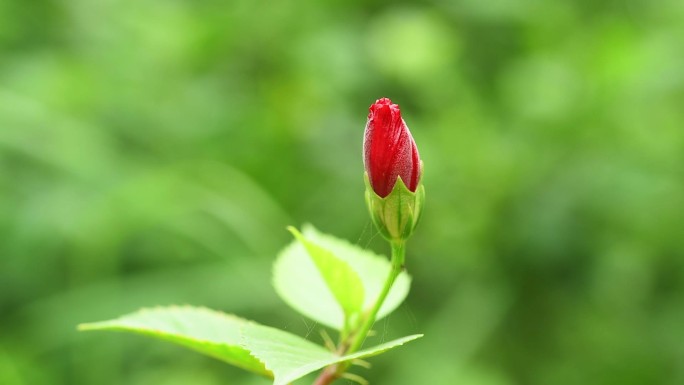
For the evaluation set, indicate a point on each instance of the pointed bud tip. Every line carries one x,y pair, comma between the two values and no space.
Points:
384,105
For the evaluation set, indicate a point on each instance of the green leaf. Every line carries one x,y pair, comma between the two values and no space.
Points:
342,281
298,282
213,333
372,268
271,352
289,357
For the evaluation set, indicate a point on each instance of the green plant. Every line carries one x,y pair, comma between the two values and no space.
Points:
329,280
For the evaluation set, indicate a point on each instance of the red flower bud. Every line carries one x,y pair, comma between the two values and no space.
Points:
389,150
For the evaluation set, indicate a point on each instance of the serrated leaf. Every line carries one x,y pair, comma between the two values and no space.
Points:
290,357
213,333
297,281
372,268
341,279
271,352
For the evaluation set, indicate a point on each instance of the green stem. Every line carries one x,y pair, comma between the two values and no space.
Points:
398,255
333,372
358,336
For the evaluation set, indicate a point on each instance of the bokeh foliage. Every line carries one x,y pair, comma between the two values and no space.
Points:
153,152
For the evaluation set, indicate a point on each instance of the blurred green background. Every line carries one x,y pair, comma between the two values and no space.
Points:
153,152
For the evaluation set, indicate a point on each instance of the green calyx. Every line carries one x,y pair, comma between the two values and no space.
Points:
397,214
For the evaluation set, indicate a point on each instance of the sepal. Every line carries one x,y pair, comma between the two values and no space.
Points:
397,214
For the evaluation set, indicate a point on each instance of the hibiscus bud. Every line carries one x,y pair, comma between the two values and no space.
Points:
389,150
394,193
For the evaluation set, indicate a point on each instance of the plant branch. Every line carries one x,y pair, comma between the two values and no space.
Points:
398,255
327,376
353,341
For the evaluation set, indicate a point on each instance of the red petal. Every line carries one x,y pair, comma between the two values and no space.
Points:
389,149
